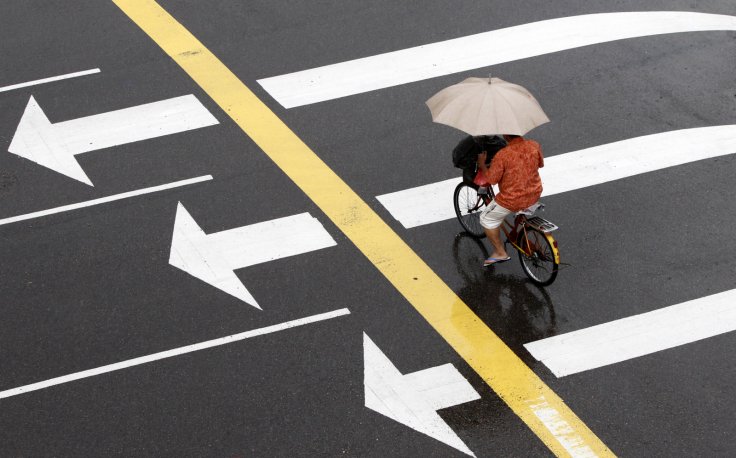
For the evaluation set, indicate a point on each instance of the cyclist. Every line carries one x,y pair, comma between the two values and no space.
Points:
515,169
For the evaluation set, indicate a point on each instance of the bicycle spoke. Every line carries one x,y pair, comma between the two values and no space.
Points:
467,209
539,264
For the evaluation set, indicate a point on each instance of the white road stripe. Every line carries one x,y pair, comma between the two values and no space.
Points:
50,79
588,167
561,429
102,200
637,335
174,352
480,50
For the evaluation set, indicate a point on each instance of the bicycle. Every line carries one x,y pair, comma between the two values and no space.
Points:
529,235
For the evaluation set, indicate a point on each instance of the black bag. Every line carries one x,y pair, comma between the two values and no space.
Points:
465,154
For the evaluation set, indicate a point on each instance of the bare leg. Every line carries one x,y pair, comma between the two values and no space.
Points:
494,236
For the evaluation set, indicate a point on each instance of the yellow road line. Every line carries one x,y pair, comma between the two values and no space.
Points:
535,403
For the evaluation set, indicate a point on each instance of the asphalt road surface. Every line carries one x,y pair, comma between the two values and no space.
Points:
146,207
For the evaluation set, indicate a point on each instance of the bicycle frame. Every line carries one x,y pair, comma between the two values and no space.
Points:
512,231
520,224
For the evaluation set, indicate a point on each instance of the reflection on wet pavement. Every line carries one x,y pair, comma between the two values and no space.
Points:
515,309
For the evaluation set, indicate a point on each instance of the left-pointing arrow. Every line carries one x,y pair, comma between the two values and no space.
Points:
213,257
55,145
414,399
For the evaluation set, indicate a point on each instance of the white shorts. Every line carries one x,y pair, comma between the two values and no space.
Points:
493,215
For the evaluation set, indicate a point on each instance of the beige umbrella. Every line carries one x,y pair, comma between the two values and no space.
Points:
487,106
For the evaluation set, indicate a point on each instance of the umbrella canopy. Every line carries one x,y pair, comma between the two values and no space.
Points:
487,106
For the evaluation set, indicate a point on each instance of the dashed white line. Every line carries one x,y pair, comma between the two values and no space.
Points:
50,79
102,200
174,352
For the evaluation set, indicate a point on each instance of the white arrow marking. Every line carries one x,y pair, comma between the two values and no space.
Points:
413,399
480,50
55,145
213,258
637,335
587,167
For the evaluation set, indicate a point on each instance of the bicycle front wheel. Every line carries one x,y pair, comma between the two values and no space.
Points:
537,256
468,205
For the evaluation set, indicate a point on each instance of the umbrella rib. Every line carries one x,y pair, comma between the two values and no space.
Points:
511,106
477,128
527,115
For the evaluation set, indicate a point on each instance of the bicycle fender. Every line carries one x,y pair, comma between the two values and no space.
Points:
553,244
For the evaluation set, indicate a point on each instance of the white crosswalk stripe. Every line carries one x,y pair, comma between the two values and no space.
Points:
588,167
480,50
638,335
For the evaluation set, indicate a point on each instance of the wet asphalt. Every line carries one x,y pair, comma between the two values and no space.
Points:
92,287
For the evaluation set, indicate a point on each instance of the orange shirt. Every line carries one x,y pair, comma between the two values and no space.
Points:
515,169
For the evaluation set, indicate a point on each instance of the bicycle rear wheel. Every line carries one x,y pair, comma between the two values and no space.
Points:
468,205
538,257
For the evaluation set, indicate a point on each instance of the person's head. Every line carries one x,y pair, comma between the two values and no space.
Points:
509,137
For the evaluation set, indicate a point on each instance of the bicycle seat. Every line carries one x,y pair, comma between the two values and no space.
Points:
529,211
